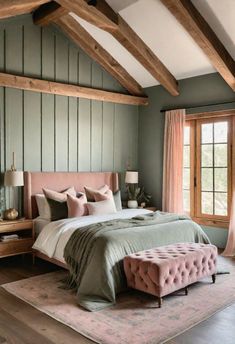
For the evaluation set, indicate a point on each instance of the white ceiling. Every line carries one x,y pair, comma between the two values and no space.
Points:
166,37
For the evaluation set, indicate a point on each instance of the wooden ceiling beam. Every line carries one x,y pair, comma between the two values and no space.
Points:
84,40
11,8
194,23
51,87
48,13
100,14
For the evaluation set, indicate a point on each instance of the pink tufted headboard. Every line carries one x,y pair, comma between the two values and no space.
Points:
58,181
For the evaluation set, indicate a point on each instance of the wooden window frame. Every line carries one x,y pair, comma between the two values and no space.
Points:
195,121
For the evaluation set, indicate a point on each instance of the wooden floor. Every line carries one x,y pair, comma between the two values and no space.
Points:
20,323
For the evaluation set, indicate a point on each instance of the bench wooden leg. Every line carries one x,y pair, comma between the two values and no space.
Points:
160,302
213,278
186,290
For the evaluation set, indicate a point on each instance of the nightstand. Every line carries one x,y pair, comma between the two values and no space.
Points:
25,231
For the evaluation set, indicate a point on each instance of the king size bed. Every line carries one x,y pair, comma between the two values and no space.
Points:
92,247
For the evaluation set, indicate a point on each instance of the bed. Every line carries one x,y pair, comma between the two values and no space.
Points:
100,243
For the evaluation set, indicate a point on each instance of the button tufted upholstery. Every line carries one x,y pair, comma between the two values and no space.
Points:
162,270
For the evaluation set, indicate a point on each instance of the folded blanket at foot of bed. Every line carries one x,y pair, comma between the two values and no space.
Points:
95,253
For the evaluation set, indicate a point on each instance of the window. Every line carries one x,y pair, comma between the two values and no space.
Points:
208,169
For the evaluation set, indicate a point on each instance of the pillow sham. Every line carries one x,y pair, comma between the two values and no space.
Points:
43,206
117,200
101,208
58,202
90,191
98,196
77,205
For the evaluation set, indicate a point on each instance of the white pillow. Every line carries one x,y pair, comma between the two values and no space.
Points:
43,207
102,207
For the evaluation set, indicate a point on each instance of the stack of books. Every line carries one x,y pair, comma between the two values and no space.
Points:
10,237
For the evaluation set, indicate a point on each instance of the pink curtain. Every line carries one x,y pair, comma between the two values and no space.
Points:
173,161
230,247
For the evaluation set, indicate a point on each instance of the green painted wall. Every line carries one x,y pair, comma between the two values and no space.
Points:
57,133
207,89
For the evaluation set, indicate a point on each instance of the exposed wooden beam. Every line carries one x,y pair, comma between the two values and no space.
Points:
48,13
10,8
51,87
102,16
187,14
82,38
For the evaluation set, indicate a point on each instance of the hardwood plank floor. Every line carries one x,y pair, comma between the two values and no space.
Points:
21,323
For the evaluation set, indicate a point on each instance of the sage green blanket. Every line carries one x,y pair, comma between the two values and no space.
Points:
95,253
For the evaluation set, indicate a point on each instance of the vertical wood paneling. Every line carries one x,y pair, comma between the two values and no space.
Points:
32,101
108,131
54,132
96,122
84,134
48,101
61,107
73,111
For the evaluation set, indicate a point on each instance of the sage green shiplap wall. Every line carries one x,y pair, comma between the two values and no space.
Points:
57,133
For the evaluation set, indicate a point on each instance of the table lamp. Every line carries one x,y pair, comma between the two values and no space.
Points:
131,179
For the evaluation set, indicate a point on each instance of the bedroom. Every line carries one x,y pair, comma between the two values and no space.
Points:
113,120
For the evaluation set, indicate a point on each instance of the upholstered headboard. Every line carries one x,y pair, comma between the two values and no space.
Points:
58,181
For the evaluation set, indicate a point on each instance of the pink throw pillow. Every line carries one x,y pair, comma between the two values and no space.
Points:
103,196
90,191
77,206
59,196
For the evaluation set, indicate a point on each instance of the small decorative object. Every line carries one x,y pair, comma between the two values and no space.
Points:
13,178
10,214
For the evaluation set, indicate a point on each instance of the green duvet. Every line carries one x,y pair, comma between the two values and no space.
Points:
95,253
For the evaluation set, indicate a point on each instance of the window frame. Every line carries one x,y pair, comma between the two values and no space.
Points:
195,121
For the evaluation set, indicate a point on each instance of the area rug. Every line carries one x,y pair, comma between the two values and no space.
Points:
135,319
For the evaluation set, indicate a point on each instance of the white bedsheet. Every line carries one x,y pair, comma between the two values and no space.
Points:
55,235
39,223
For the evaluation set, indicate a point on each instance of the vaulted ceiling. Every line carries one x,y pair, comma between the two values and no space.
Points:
145,42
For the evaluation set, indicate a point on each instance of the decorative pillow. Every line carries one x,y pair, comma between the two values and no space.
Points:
58,202
43,207
102,207
90,191
117,200
98,196
77,206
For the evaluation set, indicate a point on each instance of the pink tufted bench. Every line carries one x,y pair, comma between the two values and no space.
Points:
163,270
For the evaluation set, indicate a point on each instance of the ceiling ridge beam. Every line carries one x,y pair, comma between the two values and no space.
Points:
69,90
195,24
48,13
102,16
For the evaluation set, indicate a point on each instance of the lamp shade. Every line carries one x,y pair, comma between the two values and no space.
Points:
13,178
131,177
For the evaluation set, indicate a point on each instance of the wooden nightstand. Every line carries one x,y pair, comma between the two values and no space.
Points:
22,227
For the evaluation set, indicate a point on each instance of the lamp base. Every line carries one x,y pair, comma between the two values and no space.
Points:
133,204
10,214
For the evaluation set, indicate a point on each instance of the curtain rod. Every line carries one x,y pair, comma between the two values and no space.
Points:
195,107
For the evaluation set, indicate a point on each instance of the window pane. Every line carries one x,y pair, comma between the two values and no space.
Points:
221,204
221,155
207,179
221,132
186,178
207,203
207,133
186,135
186,156
207,155
186,196
221,176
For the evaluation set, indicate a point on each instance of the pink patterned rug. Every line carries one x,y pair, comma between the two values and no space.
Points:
135,319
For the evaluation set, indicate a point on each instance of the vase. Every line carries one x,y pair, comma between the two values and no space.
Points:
133,204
